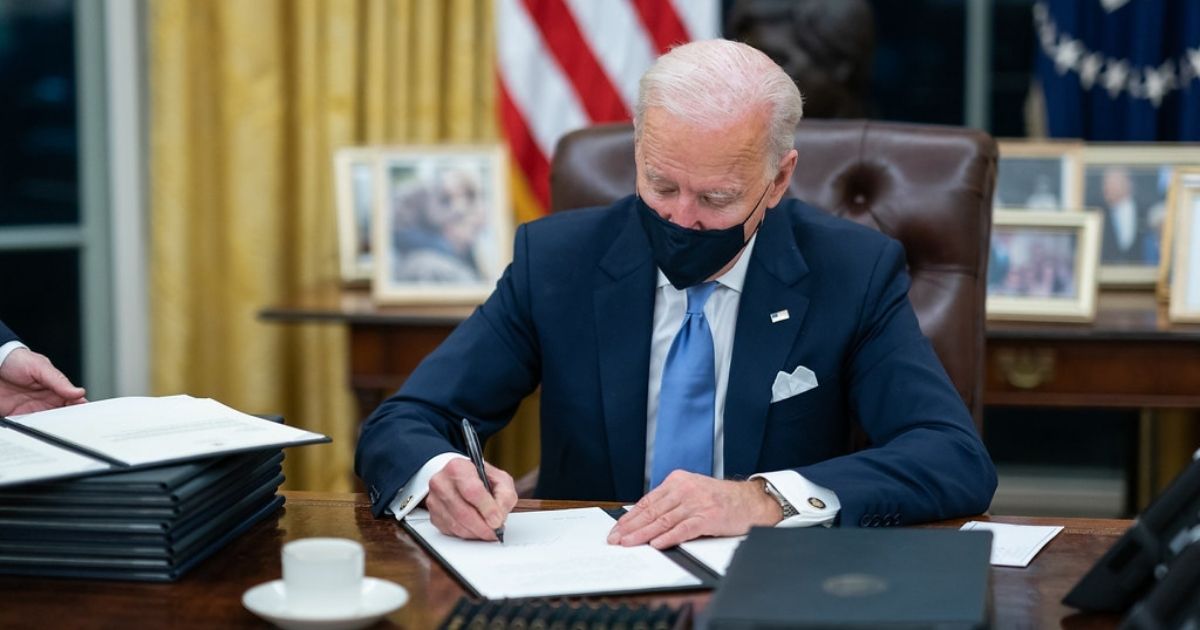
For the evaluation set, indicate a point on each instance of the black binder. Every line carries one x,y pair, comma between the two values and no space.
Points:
113,556
76,499
84,526
150,574
855,578
152,524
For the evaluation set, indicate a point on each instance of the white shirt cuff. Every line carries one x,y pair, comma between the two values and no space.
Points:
413,492
816,505
7,349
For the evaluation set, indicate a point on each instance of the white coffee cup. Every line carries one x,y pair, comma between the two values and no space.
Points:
323,576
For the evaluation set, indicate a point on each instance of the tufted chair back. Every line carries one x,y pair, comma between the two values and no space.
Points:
928,187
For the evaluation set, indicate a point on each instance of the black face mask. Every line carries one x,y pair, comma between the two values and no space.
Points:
687,256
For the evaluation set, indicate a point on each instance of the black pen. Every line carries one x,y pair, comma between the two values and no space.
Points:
476,454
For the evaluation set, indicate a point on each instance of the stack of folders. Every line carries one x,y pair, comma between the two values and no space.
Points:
121,491
540,614
149,525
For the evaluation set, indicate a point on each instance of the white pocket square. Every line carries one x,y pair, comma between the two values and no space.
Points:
787,385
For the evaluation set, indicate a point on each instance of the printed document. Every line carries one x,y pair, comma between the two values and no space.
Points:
123,433
550,554
23,458
141,430
1015,545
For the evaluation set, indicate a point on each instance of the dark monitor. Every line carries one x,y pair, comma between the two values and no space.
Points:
1158,537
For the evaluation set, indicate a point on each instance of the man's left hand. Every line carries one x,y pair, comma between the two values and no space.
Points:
687,506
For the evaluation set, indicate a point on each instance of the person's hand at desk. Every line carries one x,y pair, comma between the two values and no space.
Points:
29,383
688,505
459,505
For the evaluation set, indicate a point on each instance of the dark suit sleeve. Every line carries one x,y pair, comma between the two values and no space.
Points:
6,335
482,371
927,461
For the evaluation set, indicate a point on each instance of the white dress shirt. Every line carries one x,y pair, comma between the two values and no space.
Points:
1124,218
7,349
670,306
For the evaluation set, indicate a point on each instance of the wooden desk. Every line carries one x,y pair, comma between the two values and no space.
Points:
1130,357
210,596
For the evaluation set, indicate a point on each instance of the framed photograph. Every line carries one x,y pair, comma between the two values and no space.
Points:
1185,253
1129,183
443,226
1043,265
1181,178
1039,175
354,171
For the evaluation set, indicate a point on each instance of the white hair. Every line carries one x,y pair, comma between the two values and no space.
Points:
712,82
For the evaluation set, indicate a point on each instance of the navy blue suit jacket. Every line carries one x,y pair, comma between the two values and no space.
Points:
573,313
6,335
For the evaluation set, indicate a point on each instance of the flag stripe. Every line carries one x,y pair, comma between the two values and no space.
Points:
616,35
536,86
596,91
524,148
662,23
702,20
565,64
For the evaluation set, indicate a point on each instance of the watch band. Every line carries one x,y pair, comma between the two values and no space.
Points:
785,506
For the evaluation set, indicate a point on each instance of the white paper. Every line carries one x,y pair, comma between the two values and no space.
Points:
140,430
553,553
1015,545
23,458
714,553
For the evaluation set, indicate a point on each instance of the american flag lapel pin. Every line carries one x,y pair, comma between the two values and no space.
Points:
779,316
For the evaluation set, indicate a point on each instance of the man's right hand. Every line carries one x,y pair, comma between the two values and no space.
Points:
459,505
29,383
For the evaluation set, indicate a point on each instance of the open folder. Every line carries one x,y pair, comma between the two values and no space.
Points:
131,433
554,553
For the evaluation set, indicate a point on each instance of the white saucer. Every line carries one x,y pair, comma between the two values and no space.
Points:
379,598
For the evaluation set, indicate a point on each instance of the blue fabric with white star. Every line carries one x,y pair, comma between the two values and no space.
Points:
1120,70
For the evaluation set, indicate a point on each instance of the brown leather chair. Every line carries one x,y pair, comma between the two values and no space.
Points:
929,187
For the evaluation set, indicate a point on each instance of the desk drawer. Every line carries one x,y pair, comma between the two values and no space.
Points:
1109,373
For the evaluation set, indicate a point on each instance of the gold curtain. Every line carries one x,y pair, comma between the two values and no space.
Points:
248,102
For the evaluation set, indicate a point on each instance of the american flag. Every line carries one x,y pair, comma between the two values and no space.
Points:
567,64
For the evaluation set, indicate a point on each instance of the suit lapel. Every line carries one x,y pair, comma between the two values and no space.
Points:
624,307
760,347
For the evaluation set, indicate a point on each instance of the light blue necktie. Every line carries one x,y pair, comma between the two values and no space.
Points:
683,436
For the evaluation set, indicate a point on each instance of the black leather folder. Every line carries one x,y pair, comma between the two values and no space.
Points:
855,578
150,493
168,553
158,530
144,572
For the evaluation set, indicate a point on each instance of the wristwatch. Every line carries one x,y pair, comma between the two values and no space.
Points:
785,506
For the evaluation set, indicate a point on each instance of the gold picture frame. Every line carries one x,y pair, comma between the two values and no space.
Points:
1043,266
355,172
1039,175
1184,241
1130,184
443,224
